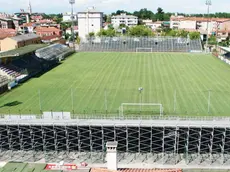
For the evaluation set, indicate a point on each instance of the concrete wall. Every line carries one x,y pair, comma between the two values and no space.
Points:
89,22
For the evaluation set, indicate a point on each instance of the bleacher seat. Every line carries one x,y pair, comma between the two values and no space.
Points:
129,44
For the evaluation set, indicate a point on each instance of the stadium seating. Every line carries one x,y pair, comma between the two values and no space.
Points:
53,52
10,70
130,44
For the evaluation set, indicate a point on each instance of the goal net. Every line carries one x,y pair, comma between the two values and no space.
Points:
141,109
140,49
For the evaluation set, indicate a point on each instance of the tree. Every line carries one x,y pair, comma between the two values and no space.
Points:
212,40
91,34
67,36
194,35
108,33
160,14
140,30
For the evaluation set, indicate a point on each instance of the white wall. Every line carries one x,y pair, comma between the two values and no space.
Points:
128,20
111,158
187,24
89,22
67,17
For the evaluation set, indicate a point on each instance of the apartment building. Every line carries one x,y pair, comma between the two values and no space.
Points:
128,20
89,21
19,41
211,25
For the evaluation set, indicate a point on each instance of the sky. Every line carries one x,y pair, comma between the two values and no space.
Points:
107,6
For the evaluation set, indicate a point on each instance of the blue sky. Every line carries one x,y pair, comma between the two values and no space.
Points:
59,6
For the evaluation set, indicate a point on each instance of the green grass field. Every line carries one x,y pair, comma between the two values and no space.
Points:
81,80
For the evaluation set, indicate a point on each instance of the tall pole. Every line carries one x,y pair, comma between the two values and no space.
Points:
208,3
72,2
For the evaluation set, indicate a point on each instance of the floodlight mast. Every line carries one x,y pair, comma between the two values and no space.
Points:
72,2
208,3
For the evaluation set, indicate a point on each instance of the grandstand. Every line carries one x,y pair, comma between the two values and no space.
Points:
21,64
143,44
55,51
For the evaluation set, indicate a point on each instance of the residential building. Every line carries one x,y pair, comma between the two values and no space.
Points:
19,41
10,23
17,22
69,30
201,24
4,33
128,20
35,17
27,28
25,16
47,31
53,39
154,25
67,17
6,23
47,23
89,21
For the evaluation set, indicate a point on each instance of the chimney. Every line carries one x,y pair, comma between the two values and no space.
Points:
112,155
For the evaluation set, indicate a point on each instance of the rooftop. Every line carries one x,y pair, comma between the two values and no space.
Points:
91,10
123,15
22,50
4,33
171,122
47,29
25,37
199,19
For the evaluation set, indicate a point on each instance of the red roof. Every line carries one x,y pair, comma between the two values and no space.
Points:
28,24
75,28
47,29
46,38
199,19
4,33
46,21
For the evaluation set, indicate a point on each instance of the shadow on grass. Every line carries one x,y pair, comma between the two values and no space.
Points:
14,103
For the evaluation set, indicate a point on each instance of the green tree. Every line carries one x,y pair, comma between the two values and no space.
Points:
212,40
160,14
140,30
91,34
109,33
194,35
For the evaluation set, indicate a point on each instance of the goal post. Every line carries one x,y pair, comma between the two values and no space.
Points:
141,49
141,108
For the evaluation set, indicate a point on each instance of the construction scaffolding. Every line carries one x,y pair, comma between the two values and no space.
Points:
161,141
141,44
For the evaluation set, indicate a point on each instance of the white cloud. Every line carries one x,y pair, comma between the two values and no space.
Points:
55,6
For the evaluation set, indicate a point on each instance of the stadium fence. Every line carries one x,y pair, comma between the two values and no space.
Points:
130,44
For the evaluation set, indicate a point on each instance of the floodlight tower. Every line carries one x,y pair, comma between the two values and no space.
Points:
208,3
72,2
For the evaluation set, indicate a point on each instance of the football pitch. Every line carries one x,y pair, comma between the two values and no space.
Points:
98,83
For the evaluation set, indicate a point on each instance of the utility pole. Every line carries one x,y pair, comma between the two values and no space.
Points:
72,2
208,3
